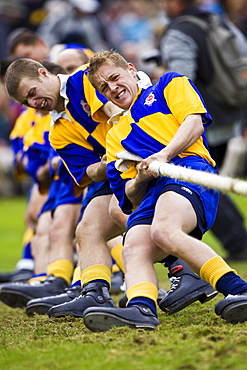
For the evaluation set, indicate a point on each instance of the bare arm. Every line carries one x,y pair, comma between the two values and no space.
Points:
97,171
136,189
110,109
187,134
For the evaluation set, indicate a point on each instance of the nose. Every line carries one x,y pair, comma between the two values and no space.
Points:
112,86
31,102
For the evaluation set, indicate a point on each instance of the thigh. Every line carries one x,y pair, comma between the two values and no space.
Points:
96,218
138,242
173,211
65,217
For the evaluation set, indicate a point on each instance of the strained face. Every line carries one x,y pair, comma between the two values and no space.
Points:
117,84
37,93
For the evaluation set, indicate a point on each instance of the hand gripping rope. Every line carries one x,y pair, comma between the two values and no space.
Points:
209,180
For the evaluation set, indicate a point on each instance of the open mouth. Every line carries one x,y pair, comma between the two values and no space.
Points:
120,95
43,104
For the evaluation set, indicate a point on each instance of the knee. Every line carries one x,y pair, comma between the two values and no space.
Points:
85,231
164,238
129,253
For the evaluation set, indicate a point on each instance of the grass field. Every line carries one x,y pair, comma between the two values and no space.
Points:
192,339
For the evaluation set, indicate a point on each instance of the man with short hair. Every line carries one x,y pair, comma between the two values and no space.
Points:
164,122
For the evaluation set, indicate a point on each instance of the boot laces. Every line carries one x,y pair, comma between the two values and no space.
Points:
175,283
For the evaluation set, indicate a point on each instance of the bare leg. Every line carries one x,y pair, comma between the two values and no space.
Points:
41,243
139,254
171,227
62,232
93,232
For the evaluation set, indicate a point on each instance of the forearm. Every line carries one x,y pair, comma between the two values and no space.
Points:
96,172
44,179
136,189
110,109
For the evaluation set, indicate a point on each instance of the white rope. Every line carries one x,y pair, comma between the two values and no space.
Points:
209,180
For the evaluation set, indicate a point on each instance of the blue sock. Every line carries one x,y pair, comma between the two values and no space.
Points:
26,252
77,283
143,300
231,283
169,260
38,275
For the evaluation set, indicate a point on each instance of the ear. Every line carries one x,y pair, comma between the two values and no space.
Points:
132,69
42,72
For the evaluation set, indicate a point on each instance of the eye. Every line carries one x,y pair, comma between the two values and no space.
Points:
31,93
103,88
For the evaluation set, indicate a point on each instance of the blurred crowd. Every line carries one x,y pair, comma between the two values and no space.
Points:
132,27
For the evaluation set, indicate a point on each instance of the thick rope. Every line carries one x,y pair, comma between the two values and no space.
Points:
209,180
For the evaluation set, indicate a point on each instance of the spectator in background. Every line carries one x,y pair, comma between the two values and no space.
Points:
130,27
26,43
236,11
77,22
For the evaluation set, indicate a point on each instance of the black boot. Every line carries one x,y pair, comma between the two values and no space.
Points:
136,316
95,294
42,305
20,275
186,288
18,294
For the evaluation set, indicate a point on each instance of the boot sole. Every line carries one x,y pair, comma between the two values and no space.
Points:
14,299
65,314
198,295
235,313
98,322
40,309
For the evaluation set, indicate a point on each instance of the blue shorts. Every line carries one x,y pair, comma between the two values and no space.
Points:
59,194
95,189
204,200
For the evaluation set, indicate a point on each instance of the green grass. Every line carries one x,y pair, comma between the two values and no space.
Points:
192,339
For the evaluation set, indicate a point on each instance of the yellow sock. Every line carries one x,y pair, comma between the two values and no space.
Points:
116,253
146,289
76,275
96,272
61,268
28,235
115,268
214,269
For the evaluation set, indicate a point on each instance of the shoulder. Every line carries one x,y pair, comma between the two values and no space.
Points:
167,78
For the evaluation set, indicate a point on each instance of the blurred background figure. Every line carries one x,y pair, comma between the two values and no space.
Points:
76,22
70,56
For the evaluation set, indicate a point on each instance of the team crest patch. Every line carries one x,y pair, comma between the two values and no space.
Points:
150,99
85,107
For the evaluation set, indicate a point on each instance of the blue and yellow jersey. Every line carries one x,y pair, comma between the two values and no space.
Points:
79,135
36,145
150,124
22,125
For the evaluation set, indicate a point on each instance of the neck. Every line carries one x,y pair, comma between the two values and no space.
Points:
60,105
60,102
